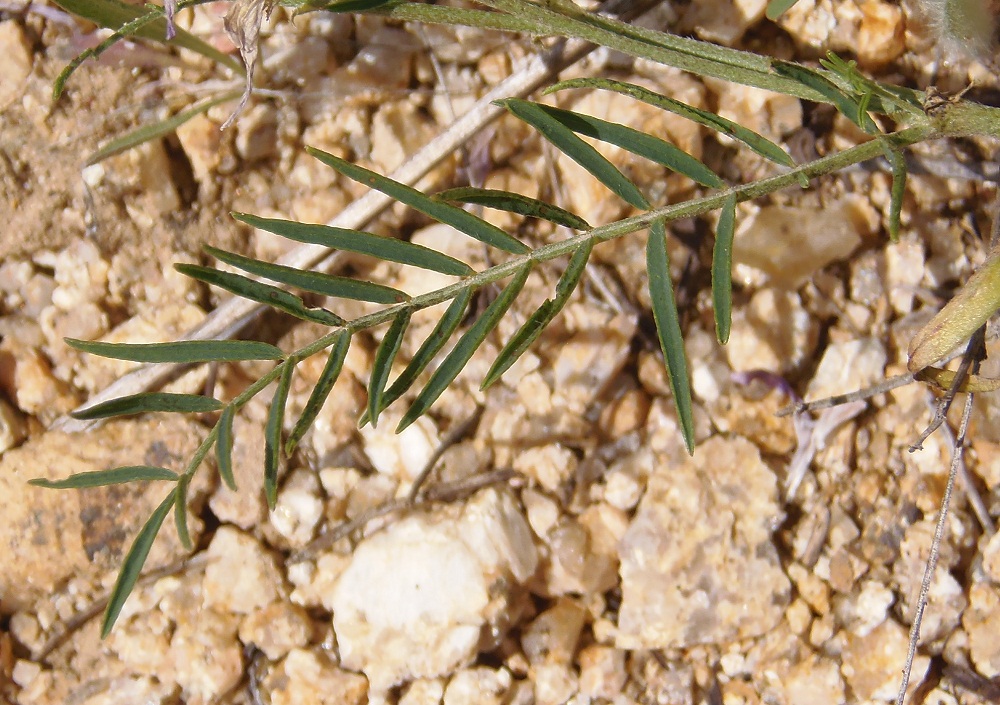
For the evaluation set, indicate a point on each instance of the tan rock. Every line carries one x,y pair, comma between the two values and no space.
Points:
15,61
416,596
276,629
871,663
240,576
478,686
51,535
688,581
982,622
309,677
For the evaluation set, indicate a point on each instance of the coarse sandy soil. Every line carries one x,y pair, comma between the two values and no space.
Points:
564,547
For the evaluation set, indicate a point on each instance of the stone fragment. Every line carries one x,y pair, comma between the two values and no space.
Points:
400,456
688,581
553,635
12,427
15,61
478,686
257,133
882,34
774,332
814,680
206,656
307,677
982,622
602,672
276,629
991,557
298,509
723,21
423,691
48,536
790,244
864,611
848,366
240,576
549,465
415,598
871,663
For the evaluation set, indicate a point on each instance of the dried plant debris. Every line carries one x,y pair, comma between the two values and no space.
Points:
242,23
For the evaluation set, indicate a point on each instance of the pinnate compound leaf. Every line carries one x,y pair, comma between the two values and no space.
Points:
384,357
776,8
461,220
224,447
148,402
668,328
180,511
362,243
639,143
722,270
272,433
147,133
182,351
328,378
576,149
102,478
447,325
272,296
537,322
313,282
465,347
514,203
134,560
760,145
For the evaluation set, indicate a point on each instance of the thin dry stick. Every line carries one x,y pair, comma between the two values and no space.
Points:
939,529
233,315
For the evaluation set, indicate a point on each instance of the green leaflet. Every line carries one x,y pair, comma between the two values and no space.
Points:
762,146
313,282
898,164
272,433
428,350
224,446
363,243
272,296
147,402
147,133
461,220
465,347
514,203
722,270
383,364
668,328
847,105
537,322
576,149
101,478
132,565
328,378
183,351
776,8
180,511
648,146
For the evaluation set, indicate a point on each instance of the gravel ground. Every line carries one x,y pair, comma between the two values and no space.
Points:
565,547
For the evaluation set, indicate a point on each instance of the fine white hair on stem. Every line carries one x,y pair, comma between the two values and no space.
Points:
963,27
